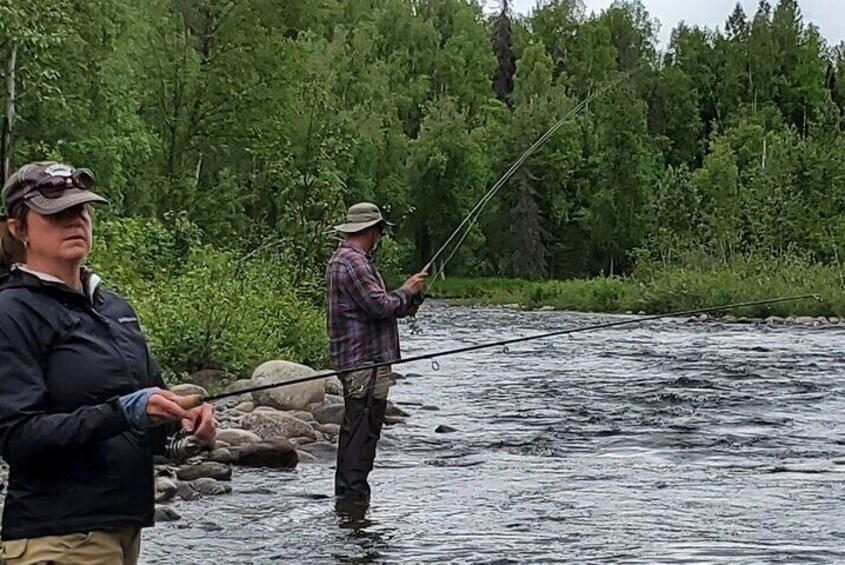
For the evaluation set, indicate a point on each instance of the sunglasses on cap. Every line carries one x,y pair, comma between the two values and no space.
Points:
55,186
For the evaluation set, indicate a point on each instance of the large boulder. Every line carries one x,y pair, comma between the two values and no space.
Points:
209,379
185,491
276,453
333,386
245,407
236,437
333,399
237,386
208,469
206,486
223,455
166,514
329,430
329,414
322,450
277,424
292,397
303,415
165,489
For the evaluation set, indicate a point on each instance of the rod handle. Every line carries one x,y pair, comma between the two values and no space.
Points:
189,401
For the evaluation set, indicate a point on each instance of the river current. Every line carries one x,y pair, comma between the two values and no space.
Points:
665,442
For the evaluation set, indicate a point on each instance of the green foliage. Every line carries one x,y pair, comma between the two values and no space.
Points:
141,250
203,308
247,314
703,282
656,289
260,123
249,126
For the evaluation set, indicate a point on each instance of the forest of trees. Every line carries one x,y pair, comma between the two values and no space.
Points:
264,118
256,121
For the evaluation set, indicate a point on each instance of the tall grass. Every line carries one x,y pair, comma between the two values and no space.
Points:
669,289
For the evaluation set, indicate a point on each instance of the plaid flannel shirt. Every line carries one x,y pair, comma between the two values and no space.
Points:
361,315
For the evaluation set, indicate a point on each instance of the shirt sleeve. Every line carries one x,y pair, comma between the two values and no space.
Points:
27,432
410,310
366,291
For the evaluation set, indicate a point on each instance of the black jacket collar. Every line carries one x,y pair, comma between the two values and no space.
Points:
17,278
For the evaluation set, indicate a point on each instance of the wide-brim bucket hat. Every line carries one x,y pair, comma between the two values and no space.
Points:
360,217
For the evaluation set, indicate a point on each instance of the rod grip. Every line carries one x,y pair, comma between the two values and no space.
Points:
189,401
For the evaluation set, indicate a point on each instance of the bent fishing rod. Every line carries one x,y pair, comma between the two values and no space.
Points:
192,400
475,213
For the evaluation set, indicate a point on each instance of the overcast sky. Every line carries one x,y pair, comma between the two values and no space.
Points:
828,15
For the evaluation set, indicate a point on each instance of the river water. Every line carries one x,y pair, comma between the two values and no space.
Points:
667,442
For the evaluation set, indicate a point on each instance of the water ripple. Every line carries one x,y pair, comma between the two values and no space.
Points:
664,442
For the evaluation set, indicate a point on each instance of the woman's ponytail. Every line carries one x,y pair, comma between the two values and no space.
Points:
12,249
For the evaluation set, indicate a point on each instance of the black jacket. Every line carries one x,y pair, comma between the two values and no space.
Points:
75,463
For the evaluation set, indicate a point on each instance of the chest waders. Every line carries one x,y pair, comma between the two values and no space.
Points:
359,434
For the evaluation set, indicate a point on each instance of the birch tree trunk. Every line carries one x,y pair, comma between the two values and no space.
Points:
9,117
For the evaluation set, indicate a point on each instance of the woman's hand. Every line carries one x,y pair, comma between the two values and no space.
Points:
162,407
200,423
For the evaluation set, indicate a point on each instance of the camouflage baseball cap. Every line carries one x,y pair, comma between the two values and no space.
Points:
48,187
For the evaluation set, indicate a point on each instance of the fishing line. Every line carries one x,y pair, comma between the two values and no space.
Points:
190,401
475,213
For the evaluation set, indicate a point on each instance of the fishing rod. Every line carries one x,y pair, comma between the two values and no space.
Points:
472,217
190,401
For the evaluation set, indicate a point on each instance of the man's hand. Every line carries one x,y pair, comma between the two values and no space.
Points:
415,282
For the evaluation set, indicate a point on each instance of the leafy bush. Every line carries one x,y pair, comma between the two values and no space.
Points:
206,308
140,250
696,286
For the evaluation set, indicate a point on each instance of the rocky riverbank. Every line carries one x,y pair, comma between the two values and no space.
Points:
276,428
805,321
800,321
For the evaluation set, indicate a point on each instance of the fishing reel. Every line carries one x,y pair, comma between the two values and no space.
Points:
181,446
416,302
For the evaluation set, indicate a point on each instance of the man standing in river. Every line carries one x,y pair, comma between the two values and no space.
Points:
361,319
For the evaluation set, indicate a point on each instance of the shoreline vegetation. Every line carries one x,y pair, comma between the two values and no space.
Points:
711,175
672,289
209,310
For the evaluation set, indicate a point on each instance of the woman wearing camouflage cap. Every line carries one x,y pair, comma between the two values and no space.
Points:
81,399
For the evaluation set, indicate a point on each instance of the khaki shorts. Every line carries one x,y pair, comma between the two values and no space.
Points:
355,384
120,547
